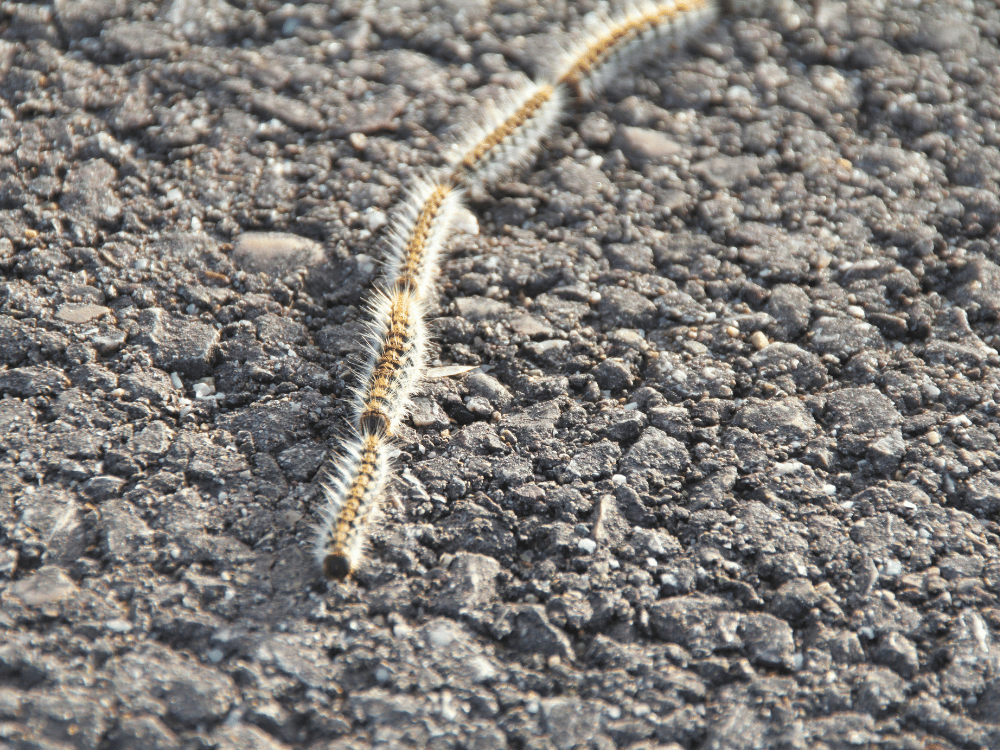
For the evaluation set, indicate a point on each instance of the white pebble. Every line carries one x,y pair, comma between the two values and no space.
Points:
203,390
375,218
587,546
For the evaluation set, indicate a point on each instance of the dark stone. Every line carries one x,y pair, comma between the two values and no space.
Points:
279,332
371,115
143,733
153,385
790,368
89,193
470,586
861,410
15,341
625,427
843,731
85,18
673,420
564,314
783,421
140,40
614,375
301,462
773,253
631,257
880,691
45,586
593,462
981,494
189,693
656,456
478,438
570,722
843,337
177,344
897,652
976,287
124,535
789,306
275,425
102,488
481,384
534,634
724,172
73,715
794,599
713,491
93,377
49,517
243,737
769,641
534,424
690,621
293,112
625,308
25,382
477,309
961,566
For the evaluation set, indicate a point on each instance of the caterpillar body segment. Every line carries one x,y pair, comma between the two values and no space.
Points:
352,494
506,138
615,44
397,342
419,235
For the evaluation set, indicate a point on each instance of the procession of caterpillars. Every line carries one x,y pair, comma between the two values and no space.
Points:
508,135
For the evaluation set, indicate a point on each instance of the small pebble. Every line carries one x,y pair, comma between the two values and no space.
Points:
375,218
203,390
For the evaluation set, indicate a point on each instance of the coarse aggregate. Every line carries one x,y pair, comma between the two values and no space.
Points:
726,476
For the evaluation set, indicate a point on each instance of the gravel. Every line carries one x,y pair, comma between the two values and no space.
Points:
726,475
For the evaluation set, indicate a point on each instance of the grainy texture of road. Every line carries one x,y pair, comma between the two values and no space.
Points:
730,481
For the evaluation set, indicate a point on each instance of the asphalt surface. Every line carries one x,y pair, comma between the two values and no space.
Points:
726,476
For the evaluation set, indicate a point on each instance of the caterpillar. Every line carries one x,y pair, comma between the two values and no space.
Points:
505,139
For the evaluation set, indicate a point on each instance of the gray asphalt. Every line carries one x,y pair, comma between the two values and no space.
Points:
726,476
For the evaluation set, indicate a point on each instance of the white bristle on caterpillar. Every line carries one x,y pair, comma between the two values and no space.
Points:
506,137
613,44
396,343
419,234
352,491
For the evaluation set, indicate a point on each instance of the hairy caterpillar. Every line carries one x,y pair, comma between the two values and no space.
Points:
506,138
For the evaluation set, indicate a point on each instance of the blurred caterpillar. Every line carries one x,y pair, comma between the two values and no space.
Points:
506,138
